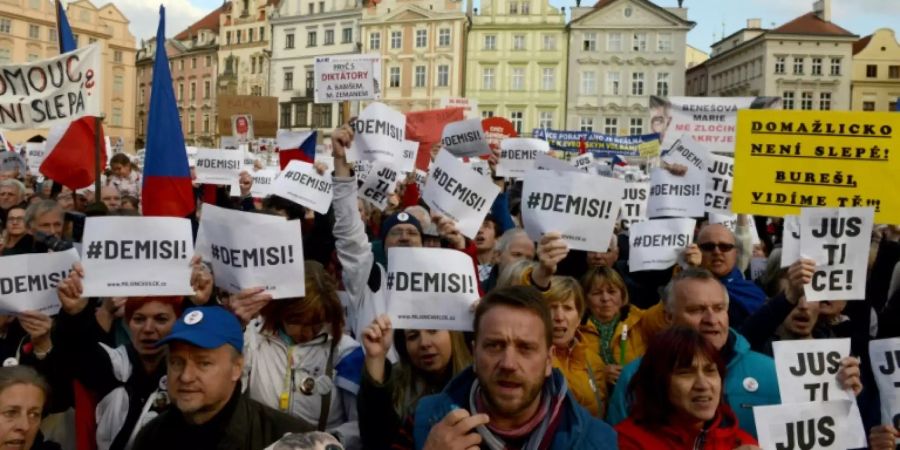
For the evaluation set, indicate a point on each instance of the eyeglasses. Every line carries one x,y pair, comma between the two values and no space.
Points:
723,247
15,219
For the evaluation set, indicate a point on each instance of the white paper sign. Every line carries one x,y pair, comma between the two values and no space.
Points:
216,214
380,184
676,196
250,251
12,161
379,134
480,166
262,183
137,256
719,175
300,183
582,207
216,166
819,425
470,106
885,357
28,282
758,265
790,240
656,244
710,120
455,191
634,203
584,163
347,78
465,139
431,289
35,154
546,161
361,169
837,239
517,155
807,369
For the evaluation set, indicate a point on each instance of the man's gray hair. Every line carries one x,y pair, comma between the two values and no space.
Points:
507,238
691,273
20,186
306,441
40,208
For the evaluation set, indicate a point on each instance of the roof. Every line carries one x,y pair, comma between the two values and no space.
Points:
810,23
604,3
210,22
861,44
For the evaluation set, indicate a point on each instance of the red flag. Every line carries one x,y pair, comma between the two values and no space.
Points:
426,128
70,153
582,147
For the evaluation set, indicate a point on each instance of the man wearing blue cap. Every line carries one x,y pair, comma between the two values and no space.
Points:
205,363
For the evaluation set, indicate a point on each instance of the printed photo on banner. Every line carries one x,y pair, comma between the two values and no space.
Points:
676,196
137,256
379,133
458,192
347,78
218,166
262,183
634,203
787,160
818,425
28,282
300,183
657,244
582,207
56,91
242,128
379,185
833,237
546,161
709,120
517,155
885,357
430,289
601,145
719,174
465,139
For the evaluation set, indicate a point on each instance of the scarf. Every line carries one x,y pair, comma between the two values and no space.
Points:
537,433
607,331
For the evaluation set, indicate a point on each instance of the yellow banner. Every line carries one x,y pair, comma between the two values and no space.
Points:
786,160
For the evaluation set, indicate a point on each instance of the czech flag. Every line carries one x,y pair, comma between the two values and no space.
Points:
293,145
617,161
5,144
167,189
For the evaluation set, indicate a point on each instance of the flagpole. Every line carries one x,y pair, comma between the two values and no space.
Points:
97,164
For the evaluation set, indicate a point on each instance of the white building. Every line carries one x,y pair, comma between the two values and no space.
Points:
620,53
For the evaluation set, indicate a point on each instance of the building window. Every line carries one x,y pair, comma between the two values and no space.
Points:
288,80
816,66
868,106
193,63
207,87
664,42
549,42
517,81
662,84
490,42
321,116
798,65
637,83
329,37
191,123
545,120
396,39
871,71
346,35
181,65
227,38
141,97
586,124
519,42
443,79
262,33
614,42
588,83
4,55
825,101
300,114
589,43
208,60
806,101
310,83
118,84
611,126
779,64
893,72
395,77
193,90
117,117
548,81
421,38
206,124
311,39
285,115
34,32
640,42
52,36
374,41
637,126
444,37
518,120
787,100
252,64
526,8
420,76
836,66
892,106
487,78
513,7
487,113
289,41
613,81
180,91
238,34
250,35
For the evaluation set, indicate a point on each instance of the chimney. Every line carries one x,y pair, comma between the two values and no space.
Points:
754,23
822,9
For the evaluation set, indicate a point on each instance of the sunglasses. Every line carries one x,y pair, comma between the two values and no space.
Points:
722,246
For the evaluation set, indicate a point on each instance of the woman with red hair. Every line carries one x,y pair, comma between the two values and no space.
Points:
677,398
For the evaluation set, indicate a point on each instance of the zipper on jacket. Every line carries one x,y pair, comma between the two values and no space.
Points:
701,440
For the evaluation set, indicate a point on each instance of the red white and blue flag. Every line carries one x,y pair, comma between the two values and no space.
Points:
293,145
617,161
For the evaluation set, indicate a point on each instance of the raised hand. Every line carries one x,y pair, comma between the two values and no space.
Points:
377,339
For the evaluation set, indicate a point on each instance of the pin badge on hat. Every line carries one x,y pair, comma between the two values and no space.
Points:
193,317
403,217
750,384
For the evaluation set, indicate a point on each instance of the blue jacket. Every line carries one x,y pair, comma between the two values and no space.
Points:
750,381
577,429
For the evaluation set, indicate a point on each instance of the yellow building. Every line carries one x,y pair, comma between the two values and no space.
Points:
421,43
876,72
516,63
244,53
28,33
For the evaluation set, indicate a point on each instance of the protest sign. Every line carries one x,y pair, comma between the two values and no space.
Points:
455,191
262,183
807,369
361,169
790,240
818,425
249,251
137,256
480,166
496,129
379,132
545,161
584,163
634,203
300,183
657,244
719,174
242,128
216,214
34,155
469,106
676,196
517,155
28,282
347,78
758,265
10,161
709,120
406,161
580,206
465,139
216,166
601,145
53,91
832,237
787,160
426,127
430,289
885,357
379,185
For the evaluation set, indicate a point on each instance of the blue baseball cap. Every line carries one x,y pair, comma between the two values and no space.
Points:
207,327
